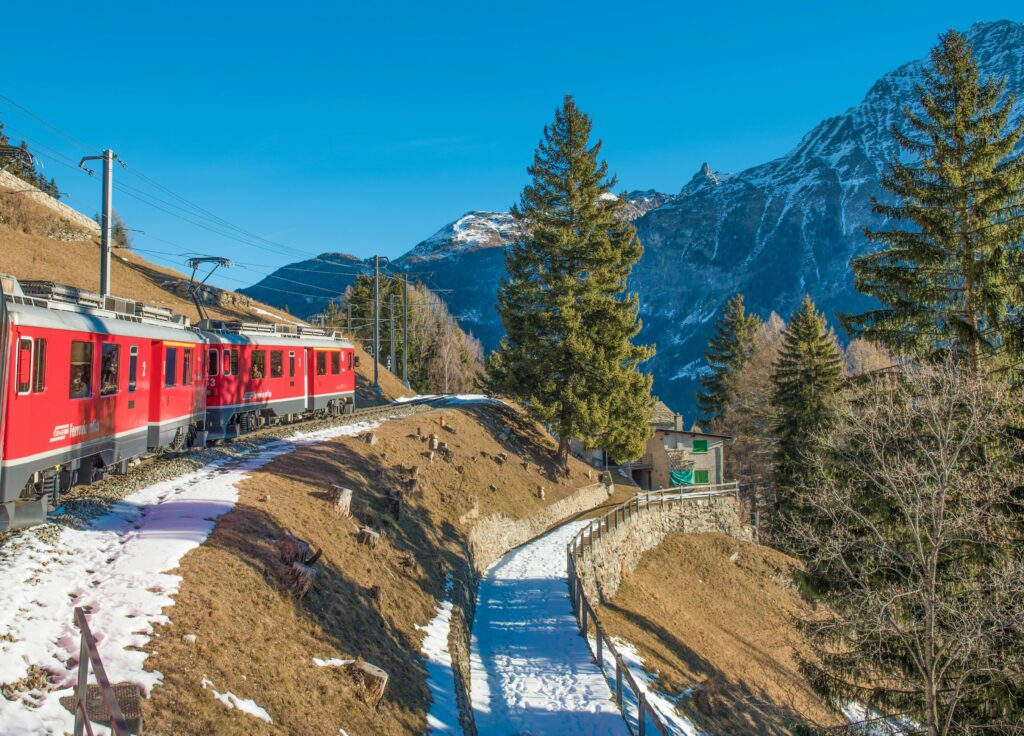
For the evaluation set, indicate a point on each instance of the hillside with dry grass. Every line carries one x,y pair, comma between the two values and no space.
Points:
718,615
35,243
253,637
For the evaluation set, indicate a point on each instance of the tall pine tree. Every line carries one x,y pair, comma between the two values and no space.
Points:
947,283
728,350
568,355
806,381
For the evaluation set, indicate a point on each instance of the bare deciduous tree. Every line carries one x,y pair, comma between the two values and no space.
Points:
915,544
750,417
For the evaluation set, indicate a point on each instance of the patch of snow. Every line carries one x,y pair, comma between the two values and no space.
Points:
531,671
118,568
231,700
874,723
335,662
664,704
276,317
444,707
693,369
457,399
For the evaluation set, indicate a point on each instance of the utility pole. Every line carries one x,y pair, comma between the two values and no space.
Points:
349,310
376,322
391,316
405,331
106,218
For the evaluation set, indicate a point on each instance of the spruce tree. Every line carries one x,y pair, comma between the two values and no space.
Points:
568,355
806,379
947,283
728,350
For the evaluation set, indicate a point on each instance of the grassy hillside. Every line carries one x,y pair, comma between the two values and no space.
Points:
28,251
715,614
254,638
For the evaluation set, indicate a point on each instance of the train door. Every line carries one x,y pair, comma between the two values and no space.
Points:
307,372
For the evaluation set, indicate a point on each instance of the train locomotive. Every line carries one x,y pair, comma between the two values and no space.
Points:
91,383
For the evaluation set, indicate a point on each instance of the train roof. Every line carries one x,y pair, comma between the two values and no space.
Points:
265,333
60,307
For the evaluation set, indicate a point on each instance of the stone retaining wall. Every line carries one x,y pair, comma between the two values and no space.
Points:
495,535
619,550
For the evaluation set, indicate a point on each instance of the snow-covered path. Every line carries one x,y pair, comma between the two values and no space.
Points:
532,672
118,569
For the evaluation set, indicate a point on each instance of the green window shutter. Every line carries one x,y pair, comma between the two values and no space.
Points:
700,447
700,477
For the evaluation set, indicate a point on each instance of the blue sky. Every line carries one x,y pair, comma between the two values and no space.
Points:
365,127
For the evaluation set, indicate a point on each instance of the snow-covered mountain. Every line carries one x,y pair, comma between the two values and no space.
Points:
784,228
773,232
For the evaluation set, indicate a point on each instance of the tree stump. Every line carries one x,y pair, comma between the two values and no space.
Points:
370,438
368,536
540,493
370,680
432,442
501,458
393,499
292,549
301,578
377,595
341,500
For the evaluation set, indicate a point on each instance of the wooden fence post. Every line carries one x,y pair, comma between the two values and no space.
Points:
641,714
83,684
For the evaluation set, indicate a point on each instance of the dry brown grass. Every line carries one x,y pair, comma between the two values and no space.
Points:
255,639
27,252
729,625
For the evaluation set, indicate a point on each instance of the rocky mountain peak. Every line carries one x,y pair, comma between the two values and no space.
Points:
705,177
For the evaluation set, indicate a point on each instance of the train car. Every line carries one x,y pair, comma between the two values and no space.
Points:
88,383
259,373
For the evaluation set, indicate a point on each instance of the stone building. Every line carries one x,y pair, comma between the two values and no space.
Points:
674,456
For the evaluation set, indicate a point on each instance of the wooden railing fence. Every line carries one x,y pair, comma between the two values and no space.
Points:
89,654
586,616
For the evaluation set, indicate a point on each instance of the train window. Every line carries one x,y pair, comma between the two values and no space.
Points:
110,364
227,362
335,362
258,369
276,363
186,367
291,364
213,361
321,364
234,362
81,370
39,374
24,365
133,366
170,366
349,361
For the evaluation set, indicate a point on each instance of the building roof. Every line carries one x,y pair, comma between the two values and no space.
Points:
663,417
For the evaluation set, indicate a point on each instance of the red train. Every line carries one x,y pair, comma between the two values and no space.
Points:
90,383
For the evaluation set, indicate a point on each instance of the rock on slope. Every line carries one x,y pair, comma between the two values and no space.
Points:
773,231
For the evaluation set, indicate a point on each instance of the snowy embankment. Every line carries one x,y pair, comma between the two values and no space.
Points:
444,707
118,570
531,671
